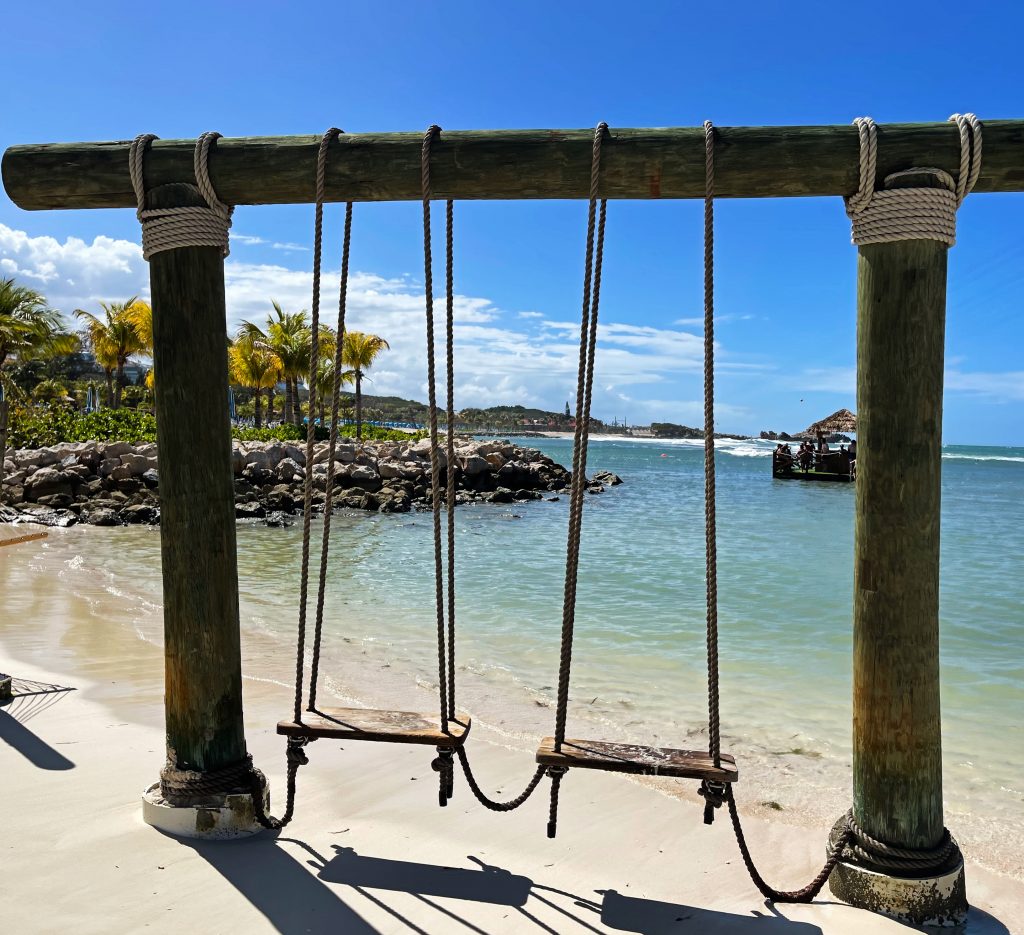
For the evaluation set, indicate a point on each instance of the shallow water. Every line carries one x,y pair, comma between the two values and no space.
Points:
785,592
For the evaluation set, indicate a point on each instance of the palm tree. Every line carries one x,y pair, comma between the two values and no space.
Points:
116,337
252,366
325,380
287,337
28,326
48,391
358,351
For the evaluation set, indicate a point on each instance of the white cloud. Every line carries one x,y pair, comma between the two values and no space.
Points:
1000,387
719,320
250,240
496,361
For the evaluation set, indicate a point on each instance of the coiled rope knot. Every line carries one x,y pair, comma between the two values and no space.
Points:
913,212
555,773
714,795
171,228
295,755
444,765
866,850
177,785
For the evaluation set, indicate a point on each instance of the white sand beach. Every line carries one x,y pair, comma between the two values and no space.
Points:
369,850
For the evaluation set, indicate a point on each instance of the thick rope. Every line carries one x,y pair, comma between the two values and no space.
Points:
493,804
314,360
435,470
332,450
914,213
171,228
450,439
584,382
710,529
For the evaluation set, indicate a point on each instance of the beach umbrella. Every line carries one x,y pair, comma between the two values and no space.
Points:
231,404
839,422
90,399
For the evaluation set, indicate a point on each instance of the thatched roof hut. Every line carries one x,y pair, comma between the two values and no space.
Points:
839,422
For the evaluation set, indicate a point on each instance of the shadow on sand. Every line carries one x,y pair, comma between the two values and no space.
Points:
29,700
295,900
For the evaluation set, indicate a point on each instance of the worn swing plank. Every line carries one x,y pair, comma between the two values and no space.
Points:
379,726
27,537
639,760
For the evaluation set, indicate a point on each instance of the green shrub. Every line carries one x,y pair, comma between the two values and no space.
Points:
42,427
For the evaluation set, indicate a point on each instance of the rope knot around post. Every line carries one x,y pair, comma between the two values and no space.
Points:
171,228
912,212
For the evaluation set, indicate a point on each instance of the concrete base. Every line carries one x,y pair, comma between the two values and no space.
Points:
937,900
220,817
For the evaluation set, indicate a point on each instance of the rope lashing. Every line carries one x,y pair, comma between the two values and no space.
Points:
171,228
912,213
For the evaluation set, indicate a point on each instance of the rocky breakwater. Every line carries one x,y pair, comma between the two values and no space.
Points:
114,483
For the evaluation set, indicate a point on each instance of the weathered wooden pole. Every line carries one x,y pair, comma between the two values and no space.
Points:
897,743
203,687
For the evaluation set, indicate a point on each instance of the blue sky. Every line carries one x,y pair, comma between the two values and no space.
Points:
786,270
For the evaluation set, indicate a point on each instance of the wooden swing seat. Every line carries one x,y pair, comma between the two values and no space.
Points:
638,760
379,726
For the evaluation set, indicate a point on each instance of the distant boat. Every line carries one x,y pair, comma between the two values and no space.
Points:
824,465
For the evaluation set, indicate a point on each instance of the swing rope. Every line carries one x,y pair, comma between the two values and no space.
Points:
444,764
593,265
296,755
435,469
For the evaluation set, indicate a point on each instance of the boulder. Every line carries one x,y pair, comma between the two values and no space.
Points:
104,516
137,464
116,449
607,477
122,472
139,515
46,516
474,464
501,495
252,510
277,519
107,465
151,478
47,482
288,469
58,501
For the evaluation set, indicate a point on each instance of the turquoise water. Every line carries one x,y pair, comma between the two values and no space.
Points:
785,583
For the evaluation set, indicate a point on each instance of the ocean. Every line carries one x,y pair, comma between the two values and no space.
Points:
785,597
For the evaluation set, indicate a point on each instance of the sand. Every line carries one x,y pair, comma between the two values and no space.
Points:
370,850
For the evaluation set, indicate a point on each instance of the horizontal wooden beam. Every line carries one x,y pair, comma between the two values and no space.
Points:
751,162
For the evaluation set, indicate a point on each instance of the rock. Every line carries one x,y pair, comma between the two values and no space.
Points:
151,478
296,454
501,495
36,458
277,519
474,464
595,488
116,449
108,465
101,517
139,515
46,516
252,510
137,464
524,494
290,470
14,494
363,474
607,477
121,472
552,499
46,482
258,475
58,501
258,457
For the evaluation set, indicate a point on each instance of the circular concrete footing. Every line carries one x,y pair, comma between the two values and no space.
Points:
938,900
215,817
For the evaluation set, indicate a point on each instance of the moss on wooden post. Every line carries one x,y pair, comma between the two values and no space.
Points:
203,690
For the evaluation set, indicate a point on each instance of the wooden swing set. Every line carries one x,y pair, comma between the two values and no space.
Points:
903,185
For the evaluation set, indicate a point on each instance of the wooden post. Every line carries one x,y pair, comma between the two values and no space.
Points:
203,690
897,743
